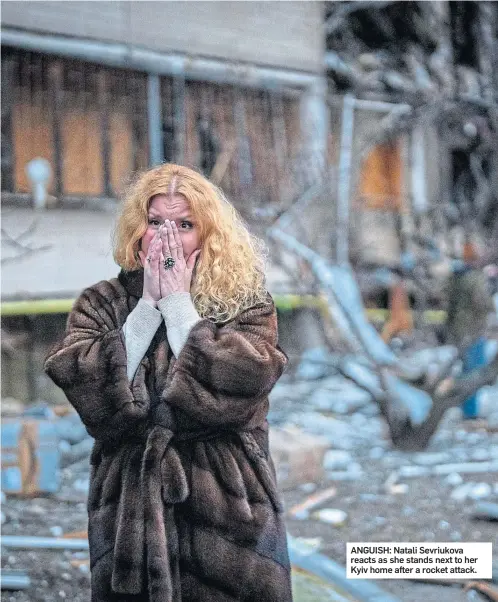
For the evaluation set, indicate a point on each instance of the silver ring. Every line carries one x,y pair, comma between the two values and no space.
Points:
169,262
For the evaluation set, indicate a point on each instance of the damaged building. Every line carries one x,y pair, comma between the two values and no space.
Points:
101,91
414,85
381,115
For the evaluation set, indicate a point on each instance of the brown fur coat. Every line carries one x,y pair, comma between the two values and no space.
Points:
183,503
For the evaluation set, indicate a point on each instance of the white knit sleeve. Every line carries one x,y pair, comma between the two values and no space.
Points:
180,315
139,330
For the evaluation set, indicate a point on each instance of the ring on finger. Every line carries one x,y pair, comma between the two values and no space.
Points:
168,263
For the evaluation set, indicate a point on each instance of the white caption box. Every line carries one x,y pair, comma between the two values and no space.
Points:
402,560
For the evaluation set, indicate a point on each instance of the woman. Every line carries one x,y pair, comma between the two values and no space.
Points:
170,366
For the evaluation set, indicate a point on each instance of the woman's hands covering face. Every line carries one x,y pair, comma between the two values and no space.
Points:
159,282
151,292
178,278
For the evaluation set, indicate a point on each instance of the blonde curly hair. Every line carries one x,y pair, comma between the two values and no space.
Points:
230,273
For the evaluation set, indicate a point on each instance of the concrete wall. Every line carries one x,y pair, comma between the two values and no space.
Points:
272,33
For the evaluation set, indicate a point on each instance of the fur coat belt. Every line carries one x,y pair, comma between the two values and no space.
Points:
163,483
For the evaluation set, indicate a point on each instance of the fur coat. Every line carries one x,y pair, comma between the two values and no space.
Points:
183,504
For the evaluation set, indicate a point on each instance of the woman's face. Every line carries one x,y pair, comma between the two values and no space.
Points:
175,208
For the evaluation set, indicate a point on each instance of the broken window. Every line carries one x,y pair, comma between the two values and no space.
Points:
88,121
381,178
464,32
375,25
91,123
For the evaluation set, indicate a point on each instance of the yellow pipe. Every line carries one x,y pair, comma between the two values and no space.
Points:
283,302
40,306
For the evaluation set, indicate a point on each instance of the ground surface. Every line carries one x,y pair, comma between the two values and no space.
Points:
425,509
428,508
426,513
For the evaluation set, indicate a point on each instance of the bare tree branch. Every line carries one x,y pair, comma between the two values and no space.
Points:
23,250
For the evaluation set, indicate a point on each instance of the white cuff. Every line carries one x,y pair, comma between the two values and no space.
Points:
180,315
139,330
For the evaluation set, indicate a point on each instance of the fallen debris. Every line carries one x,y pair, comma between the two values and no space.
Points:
30,458
79,563
331,516
14,580
27,542
298,456
76,452
76,535
407,472
486,511
491,593
301,511
332,572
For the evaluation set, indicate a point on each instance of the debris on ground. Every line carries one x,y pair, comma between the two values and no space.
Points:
357,488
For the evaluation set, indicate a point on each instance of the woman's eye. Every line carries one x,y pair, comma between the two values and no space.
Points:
189,224
154,222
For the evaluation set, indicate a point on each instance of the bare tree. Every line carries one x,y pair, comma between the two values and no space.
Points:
412,401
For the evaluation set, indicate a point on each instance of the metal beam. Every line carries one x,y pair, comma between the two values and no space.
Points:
314,114
379,106
36,307
28,542
283,302
160,63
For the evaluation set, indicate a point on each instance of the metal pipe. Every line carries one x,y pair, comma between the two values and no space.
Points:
418,172
27,542
344,177
154,119
14,580
333,573
314,116
282,302
380,106
160,63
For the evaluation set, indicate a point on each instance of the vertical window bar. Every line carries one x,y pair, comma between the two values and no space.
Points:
8,67
103,100
56,92
244,163
228,132
154,119
279,136
179,117
134,89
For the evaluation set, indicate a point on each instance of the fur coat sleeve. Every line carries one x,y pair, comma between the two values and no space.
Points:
89,365
223,375
221,378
